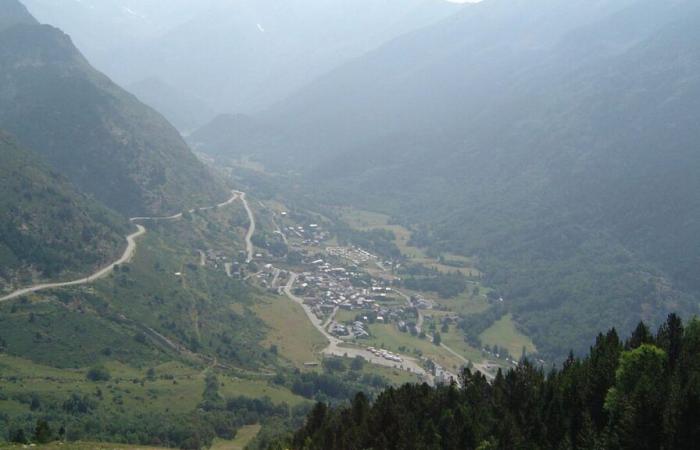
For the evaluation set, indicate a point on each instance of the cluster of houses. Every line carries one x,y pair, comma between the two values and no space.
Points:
354,330
312,234
354,254
215,258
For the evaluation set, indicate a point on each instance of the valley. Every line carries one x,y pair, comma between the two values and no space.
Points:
349,225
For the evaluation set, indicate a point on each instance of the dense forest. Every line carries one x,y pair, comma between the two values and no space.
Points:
639,393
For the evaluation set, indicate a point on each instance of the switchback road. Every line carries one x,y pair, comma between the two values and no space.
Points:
128,254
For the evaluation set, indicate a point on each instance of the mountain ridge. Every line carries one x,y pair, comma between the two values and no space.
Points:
101,137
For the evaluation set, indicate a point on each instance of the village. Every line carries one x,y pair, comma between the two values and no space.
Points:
336,285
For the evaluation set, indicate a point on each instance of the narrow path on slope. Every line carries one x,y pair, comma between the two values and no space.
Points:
126,256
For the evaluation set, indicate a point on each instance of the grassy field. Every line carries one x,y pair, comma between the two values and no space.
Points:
243,437
176,388
390,338
368,220
289,329
344,315
454,339
504,334
465,303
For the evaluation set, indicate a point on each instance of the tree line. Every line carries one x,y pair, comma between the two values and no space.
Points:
640,393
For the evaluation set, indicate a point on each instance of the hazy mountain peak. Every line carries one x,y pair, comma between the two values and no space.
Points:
12,13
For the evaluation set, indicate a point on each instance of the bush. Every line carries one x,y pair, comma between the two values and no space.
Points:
98,373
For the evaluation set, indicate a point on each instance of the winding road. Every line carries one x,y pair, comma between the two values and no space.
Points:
126,257
128,254
251,227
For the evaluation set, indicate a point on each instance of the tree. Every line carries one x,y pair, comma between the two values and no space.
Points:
18,437
640,335
636,400
437,339
42,432
357,364
35,404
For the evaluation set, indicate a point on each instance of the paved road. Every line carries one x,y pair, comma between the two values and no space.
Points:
251,227
336,346
126,256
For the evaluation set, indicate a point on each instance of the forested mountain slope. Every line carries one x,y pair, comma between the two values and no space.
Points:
47,229
554,141
103,139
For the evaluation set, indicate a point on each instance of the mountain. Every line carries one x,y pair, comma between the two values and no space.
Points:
101,137
184,111
238,56
47,228
554,142
14,13
222,136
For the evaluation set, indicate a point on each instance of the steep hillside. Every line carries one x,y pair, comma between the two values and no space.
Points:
555,142
103,139
47,229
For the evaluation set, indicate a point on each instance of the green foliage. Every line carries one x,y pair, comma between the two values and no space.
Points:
650,405
43,433
420,278
98,373
46,225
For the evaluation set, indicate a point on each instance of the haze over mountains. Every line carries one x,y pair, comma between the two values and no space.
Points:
519,133
458,199
554,140
235,56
